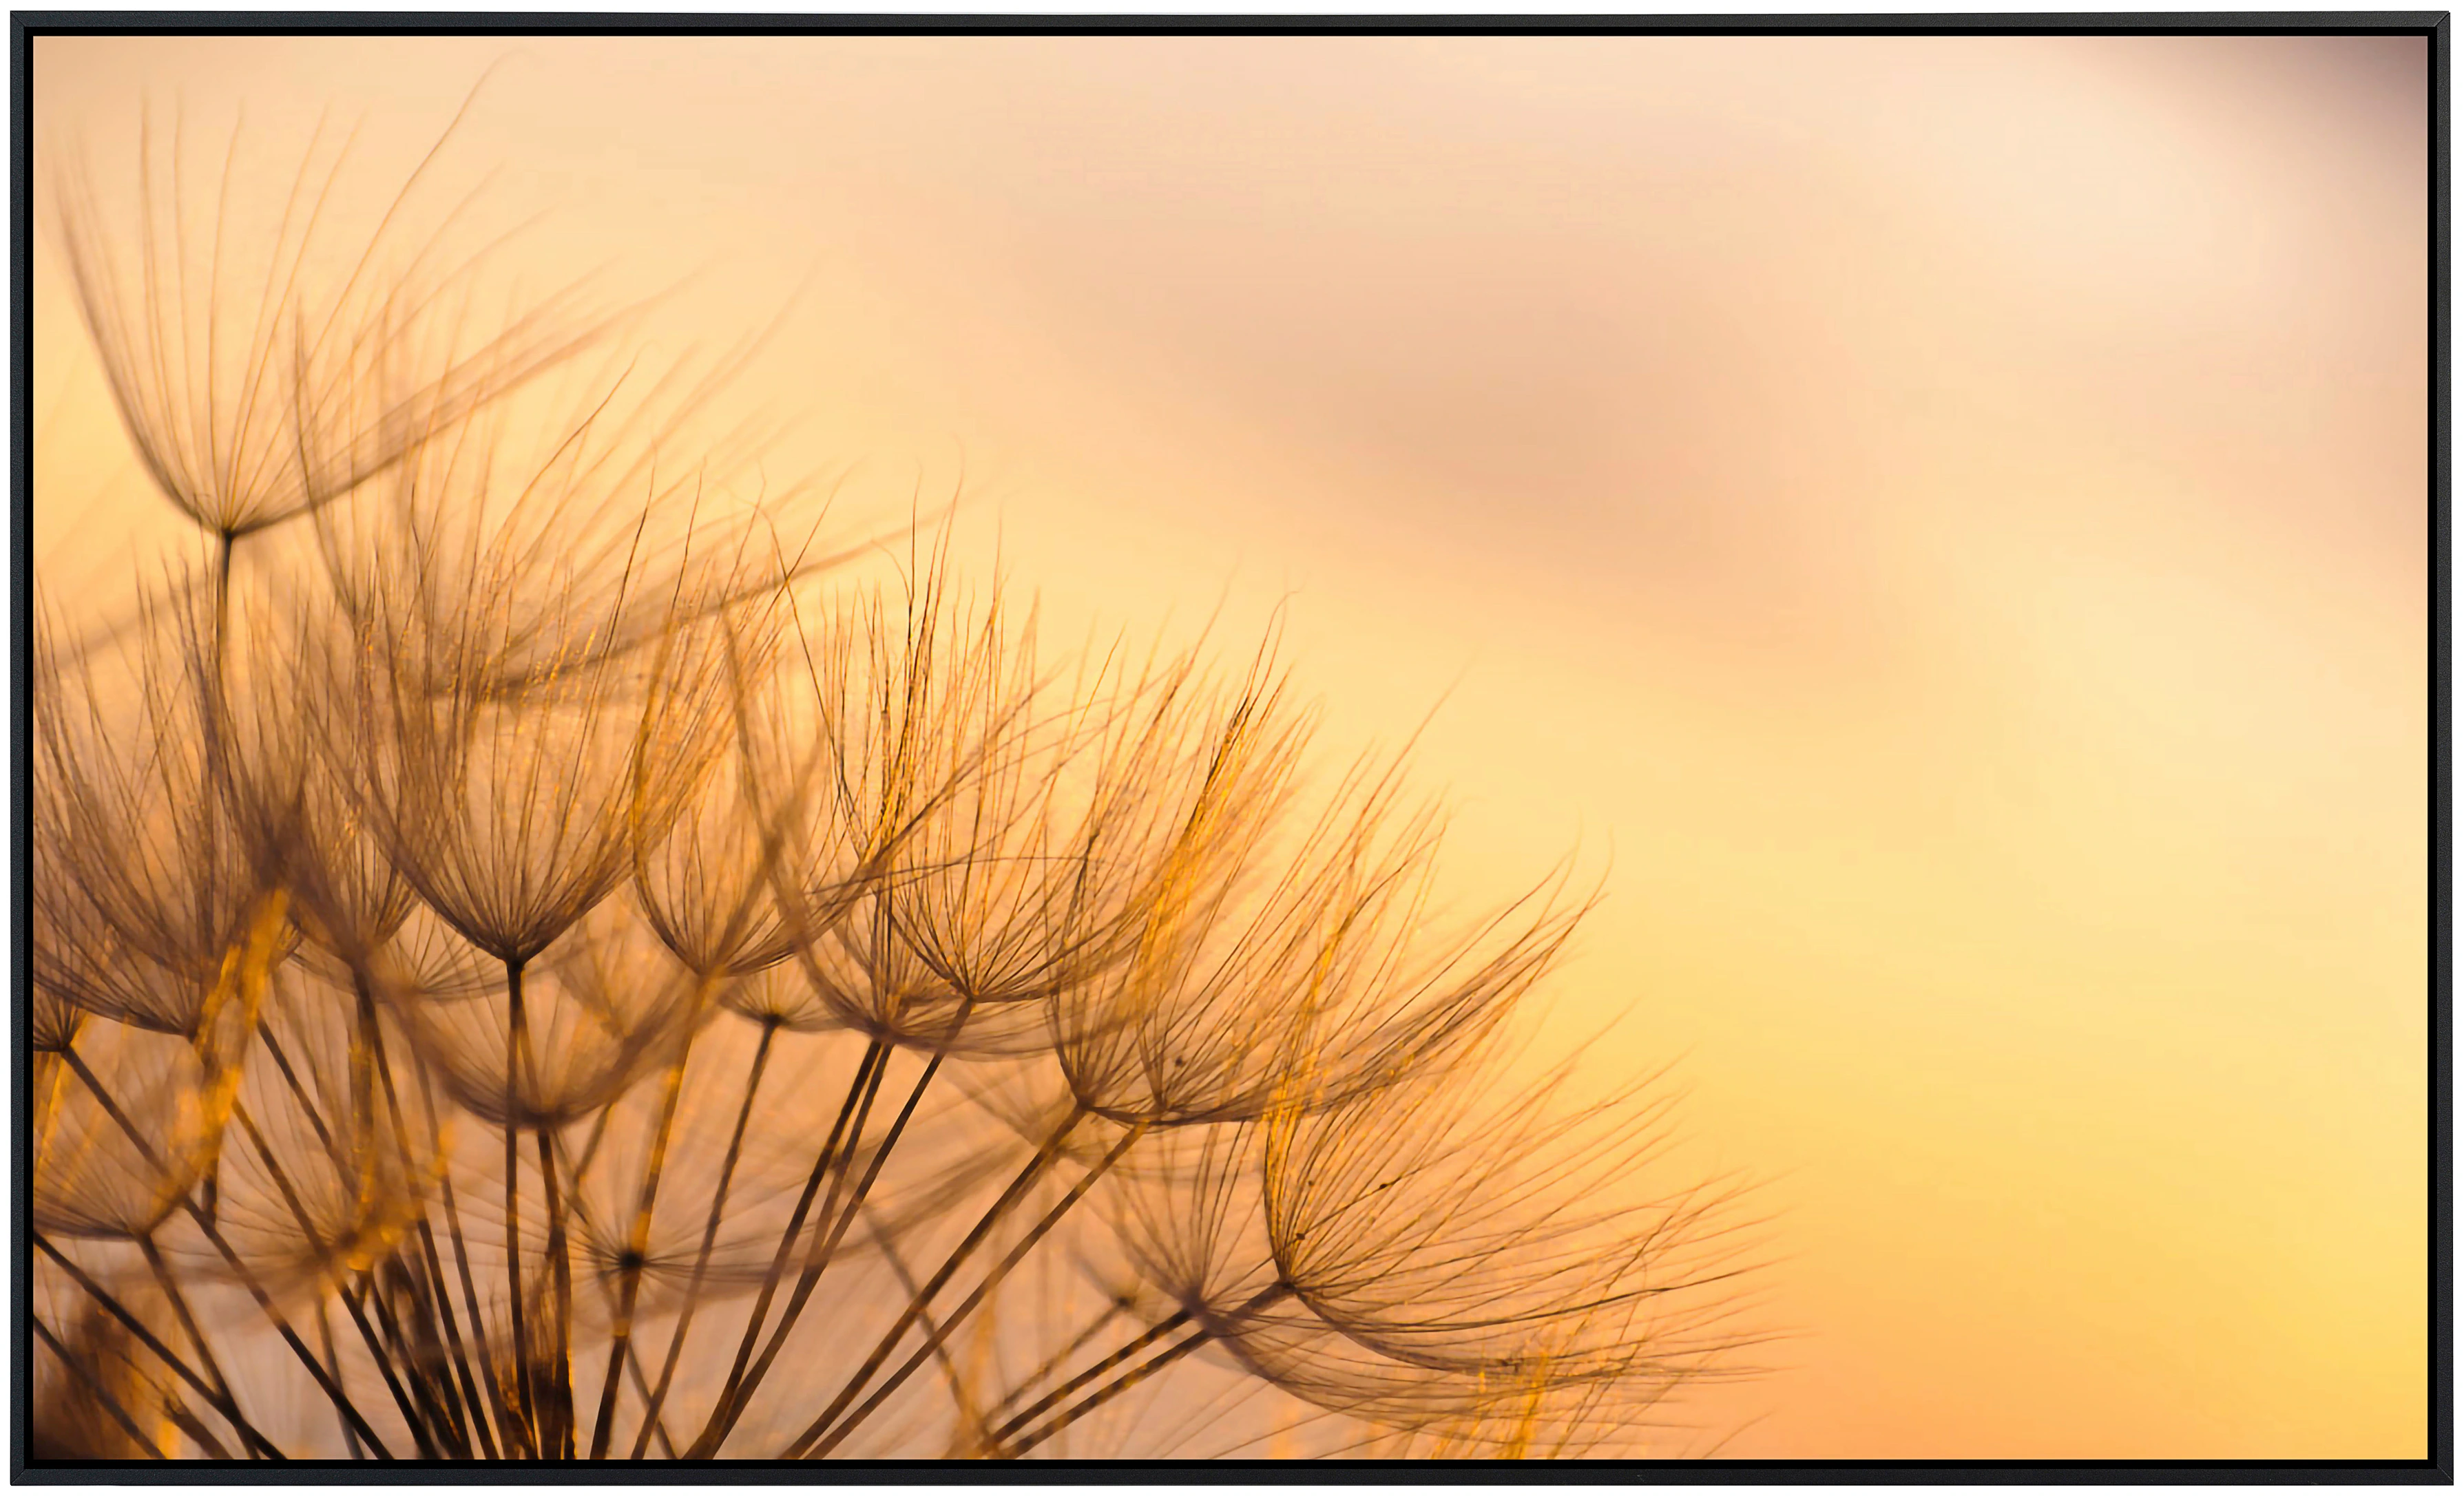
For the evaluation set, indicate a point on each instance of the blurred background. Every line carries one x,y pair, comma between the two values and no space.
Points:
1941,520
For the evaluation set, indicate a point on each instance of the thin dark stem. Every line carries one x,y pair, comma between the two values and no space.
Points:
440,1294
818,1260
102,1394
299,1214
1058,1358
560,1270
637,1243
973,1425
514,1049
1106,1394
224,540
918,1302
1109,1392
658,1396
210,1186
290,1078
179,1303
222,1248
111,1109
361,1300
983,1291
147,1337
180,1311
434,1394
290,1337
642,1390
188,1423
1061,1394
723,1416
334,1369
503,1415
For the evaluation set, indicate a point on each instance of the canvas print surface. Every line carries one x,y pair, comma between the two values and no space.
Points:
1199,747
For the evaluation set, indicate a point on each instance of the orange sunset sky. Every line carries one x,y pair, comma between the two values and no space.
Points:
1942,520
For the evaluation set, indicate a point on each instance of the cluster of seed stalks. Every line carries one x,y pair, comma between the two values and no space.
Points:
533,960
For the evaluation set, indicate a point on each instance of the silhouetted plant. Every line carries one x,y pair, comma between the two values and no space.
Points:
547,965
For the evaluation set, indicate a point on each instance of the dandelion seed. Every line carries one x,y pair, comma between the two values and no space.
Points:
545,961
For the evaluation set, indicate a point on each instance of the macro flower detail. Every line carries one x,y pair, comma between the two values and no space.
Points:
558,954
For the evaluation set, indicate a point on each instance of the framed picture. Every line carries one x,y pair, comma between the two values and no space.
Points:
1172,747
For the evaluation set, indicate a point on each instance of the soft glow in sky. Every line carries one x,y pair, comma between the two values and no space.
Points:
1949,515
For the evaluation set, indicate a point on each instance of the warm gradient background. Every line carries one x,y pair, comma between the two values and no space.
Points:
1947,515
